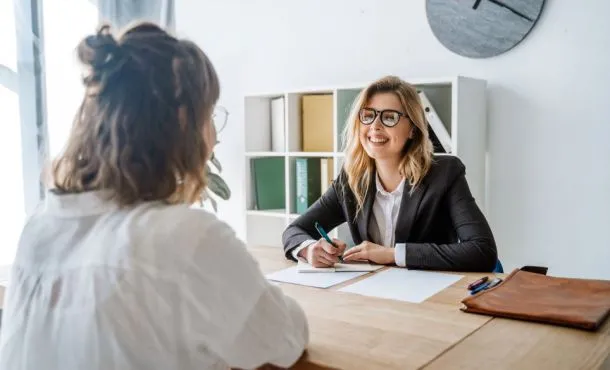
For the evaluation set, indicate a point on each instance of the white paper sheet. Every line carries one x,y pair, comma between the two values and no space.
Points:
339,267
403,285
319,280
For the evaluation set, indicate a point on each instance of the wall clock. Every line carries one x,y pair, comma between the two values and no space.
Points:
482,28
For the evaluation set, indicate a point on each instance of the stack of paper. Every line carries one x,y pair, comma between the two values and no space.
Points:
403,285
320,280
339,267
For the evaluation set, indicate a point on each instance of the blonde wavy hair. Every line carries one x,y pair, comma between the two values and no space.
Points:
417,153
139,132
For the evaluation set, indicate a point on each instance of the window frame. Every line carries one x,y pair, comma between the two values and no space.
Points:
29,84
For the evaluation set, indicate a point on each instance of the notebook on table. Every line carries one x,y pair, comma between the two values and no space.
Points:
339,267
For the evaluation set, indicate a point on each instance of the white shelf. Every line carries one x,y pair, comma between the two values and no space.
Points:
460,103
431,81
313,154
281,213
294,154
265,154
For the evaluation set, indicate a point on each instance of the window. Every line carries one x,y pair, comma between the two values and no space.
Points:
63,30
40,90
12,205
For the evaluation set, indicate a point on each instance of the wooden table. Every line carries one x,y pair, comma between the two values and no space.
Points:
349,331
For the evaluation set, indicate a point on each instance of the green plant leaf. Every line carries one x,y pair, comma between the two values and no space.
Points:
216,164
218,186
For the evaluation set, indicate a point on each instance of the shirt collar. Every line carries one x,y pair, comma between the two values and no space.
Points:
78,204
396,192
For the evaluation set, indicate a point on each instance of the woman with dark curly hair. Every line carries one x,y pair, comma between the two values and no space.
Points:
115,270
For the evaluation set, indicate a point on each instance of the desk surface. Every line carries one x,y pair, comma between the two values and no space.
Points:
350,331
354,332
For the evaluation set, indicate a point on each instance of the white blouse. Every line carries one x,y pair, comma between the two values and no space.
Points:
382,225
153,286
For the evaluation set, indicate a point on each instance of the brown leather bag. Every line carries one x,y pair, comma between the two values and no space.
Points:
523,295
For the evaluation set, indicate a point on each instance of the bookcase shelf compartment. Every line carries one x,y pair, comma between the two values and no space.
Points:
458,108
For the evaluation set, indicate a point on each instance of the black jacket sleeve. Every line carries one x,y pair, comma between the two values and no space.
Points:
476,247
327,211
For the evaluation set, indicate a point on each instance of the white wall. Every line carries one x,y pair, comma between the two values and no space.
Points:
548,104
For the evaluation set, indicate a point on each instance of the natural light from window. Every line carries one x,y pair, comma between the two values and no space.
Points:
12,206
64,27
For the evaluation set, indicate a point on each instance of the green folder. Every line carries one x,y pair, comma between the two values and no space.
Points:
269,183
307,183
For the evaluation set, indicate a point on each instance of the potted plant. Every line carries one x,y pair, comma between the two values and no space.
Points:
217,187
216,184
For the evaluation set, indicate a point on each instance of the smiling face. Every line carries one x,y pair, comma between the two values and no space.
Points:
379,141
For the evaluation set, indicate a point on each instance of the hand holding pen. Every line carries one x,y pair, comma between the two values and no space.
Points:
325,252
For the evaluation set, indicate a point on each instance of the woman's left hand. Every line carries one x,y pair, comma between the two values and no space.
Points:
370,251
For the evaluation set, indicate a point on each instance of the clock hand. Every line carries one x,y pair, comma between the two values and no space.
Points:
509,8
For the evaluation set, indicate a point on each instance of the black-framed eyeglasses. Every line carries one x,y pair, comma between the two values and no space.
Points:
389,117
220,118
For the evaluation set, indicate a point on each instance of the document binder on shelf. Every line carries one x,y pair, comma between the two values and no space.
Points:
438,133
278,124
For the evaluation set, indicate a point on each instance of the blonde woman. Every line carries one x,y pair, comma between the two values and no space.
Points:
403,205
115,270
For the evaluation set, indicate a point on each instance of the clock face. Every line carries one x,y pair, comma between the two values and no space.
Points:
482,28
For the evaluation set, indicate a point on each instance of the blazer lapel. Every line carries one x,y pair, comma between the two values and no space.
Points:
409,206
367,210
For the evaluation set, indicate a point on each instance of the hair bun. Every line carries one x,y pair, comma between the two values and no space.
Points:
99,50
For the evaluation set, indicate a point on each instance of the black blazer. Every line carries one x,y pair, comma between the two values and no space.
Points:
441,224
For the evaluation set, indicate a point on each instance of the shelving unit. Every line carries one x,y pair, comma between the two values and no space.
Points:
460,103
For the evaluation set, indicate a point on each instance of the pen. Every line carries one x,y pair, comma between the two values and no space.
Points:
478,282
325,236
486,286
494,282
479,288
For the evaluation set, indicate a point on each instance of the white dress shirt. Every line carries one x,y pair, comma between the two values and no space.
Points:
382,225
153,286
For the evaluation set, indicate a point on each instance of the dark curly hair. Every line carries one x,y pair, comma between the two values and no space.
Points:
139,132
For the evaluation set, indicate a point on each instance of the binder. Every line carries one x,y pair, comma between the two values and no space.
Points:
317,123
278,125
438,132
326,174
269,183
307,183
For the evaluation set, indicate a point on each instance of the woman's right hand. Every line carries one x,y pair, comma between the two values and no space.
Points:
322,253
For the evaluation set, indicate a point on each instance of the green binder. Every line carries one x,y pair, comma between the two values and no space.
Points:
269,183
307,183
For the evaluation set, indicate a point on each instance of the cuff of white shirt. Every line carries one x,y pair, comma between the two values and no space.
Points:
305,244
400,254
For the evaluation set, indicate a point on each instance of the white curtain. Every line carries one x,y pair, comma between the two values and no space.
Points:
12,203
122,12
63,31
41,88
